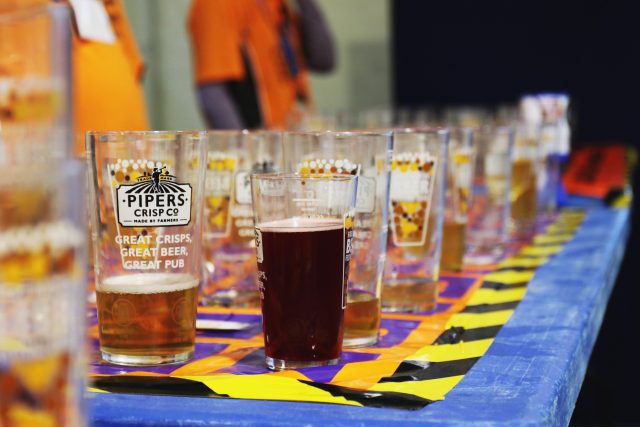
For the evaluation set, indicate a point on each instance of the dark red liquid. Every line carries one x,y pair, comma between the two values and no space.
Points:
302,280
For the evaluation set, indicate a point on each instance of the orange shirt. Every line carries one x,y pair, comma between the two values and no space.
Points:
107,90
221,28
107,94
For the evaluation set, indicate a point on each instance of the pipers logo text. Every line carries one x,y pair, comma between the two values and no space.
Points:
155,200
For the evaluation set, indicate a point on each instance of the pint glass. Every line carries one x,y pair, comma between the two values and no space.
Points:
35,83
556,145
418,171
457,198
487,229
228,244
147,190
524,175
42,294
303,247
367,155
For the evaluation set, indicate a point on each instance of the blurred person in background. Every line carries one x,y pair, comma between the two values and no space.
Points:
107,68
107,75
251,59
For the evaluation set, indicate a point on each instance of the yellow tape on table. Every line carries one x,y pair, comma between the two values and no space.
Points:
479,320
446,352
522,262
542,251
267,387
493,296
544,239
509,277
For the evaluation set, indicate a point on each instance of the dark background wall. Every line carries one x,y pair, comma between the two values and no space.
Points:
489,52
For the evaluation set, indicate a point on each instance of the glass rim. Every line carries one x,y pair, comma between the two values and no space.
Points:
292,176
348,132
243,133
430,130
144,132
226,132
24,13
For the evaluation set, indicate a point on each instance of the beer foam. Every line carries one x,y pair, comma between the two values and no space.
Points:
147,283
57,236
299,225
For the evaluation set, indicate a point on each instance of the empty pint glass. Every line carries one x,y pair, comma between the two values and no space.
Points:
303,247
487,229
457,198
228,244
418,170
556,145
147,190
366,155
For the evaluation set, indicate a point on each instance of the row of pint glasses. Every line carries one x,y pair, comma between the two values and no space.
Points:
322,230
42,220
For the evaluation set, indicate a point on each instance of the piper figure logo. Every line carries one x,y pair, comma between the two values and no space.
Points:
155,200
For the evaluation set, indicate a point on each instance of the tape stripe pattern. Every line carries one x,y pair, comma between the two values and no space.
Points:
415,380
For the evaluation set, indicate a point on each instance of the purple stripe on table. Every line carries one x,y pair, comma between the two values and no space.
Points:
440,307
456,286
397,331
325,374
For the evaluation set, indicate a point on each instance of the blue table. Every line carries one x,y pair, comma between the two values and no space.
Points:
531,375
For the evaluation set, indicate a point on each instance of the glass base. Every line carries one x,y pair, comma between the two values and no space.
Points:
232,298
484,255
128,360
358,342
280,365
409,295
522,228
408,308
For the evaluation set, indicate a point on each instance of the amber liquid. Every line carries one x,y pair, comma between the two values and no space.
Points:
146,315
453,234
35,392
361,319
410,294
303,286
523,191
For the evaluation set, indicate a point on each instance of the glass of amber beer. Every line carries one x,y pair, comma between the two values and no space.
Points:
368,156
527,164
457,198
42,293
416,211
148,191
229,238
304,231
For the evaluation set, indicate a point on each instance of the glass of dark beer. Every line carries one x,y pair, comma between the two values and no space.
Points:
304,228
148,192
366,154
